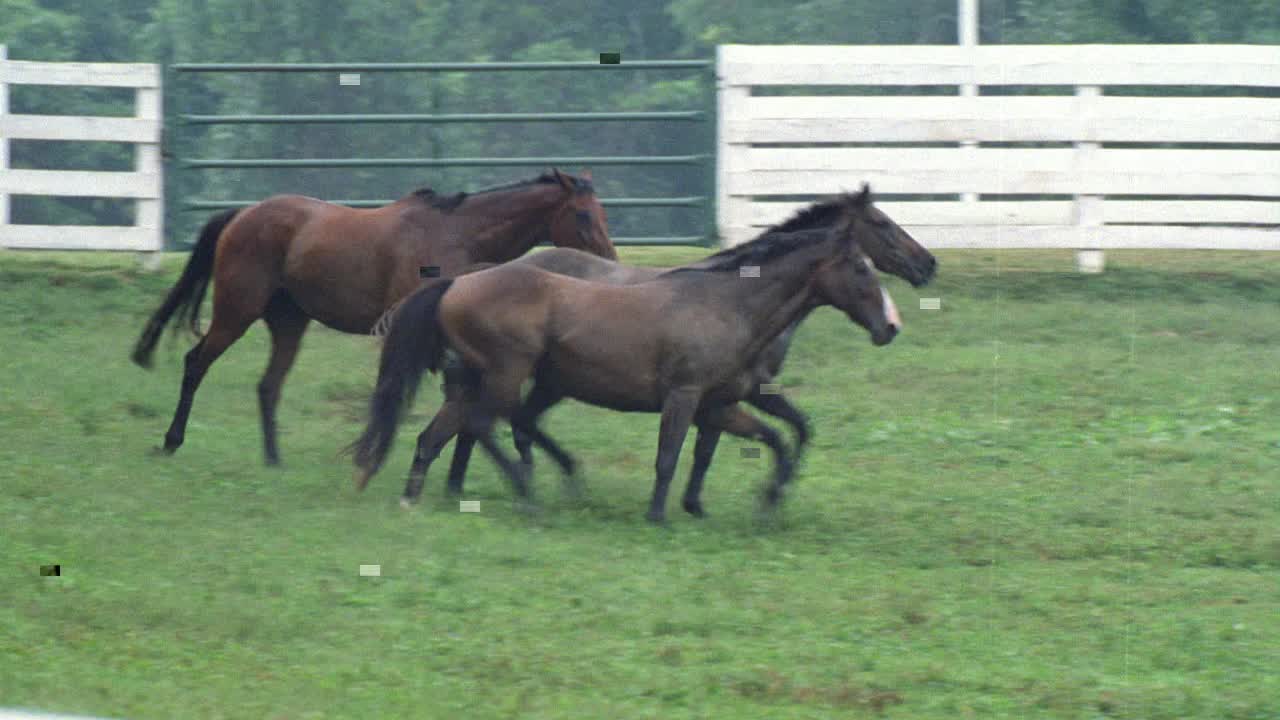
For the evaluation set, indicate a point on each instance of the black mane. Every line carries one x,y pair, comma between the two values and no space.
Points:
764,249
444,203
807,226
819,214
449,203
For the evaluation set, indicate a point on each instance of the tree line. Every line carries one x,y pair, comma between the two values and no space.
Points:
186,31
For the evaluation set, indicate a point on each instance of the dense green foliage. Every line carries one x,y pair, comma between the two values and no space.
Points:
1083,526
1053,498
174,31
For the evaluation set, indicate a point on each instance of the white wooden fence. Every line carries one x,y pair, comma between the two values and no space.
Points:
145,183
1246,181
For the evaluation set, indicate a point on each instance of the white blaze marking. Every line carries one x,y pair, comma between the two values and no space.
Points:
890,310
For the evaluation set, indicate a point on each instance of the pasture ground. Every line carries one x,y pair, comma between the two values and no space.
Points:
1056,497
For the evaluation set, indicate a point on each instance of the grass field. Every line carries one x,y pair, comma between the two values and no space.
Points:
1056,497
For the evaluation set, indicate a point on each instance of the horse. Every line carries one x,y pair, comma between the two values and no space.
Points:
913,262
683,344
290,259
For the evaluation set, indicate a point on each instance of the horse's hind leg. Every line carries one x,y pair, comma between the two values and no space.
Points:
703,450
524,428
781,408
499,396
287,323
480,425
224,330
736,421
462,448
459,382
446,424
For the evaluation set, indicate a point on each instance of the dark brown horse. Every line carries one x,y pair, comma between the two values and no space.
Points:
895,252
290,259
684,344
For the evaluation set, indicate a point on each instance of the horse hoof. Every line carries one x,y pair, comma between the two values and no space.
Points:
768,517
656,518
361,479
772,497
575,489
271,462
695,509
162,451
406,503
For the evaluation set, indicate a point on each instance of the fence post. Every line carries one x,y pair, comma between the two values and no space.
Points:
4,141
711,140
734,213
967,19
150,212
1087,212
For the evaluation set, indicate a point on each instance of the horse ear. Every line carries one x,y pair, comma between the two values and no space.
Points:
864,198
565,181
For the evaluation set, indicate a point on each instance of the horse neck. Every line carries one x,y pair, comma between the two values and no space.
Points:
627,274
515,221
775,353
775,302
783,320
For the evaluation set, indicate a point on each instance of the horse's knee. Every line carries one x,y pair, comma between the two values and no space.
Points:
769,436
478,423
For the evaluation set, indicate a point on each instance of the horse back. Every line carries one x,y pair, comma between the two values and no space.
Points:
498,312
280,219
583,265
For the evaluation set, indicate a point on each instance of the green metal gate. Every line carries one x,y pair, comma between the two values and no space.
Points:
703,162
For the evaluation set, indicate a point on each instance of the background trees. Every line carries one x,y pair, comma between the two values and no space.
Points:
174,31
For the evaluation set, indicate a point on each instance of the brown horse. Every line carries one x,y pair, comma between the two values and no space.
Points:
291,258
911,261
684,344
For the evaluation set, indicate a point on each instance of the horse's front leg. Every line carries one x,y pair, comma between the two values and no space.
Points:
677,414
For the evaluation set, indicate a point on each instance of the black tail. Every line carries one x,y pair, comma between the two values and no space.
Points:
188,293
414,343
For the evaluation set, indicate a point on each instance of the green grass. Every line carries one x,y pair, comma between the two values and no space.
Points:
1056,497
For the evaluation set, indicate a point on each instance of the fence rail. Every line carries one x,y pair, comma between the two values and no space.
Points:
704,161
145,183
439,162
694,201
441,66
365,118
1222,192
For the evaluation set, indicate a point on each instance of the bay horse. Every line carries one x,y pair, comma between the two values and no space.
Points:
290,259
683,344
894,251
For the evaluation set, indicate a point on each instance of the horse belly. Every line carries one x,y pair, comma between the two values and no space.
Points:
340,286
607,377
734,390
341,307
